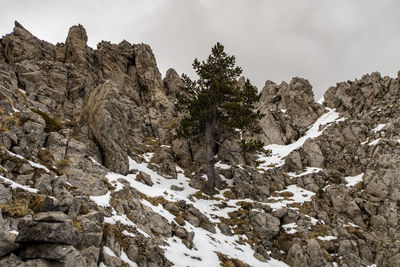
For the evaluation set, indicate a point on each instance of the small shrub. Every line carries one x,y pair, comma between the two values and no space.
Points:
52,125
229,195
179,220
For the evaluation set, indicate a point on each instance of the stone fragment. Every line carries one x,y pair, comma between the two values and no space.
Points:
7,243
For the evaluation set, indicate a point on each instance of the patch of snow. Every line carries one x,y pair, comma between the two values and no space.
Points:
33,164
94,161
290,228
123,220
126,233
125,259
101,264
283,111
109,252
309,170
351,224
398,141
327,238
160,185
38,166
206,244
363,143
147,157
374,142
103,200
321,100
15,185
222,165
353,180
15,232
279,152
159,210
378,128
206,247
16,155
312,219
300,195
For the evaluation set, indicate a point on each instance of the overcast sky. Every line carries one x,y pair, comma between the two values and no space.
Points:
324,41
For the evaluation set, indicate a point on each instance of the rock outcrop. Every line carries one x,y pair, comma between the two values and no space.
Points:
92,173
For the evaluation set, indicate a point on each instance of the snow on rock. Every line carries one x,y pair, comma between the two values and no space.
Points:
353,180
15,185
125,259
222,165
290,228
279,152
300,195
126,233
327,238
109,252
309,170
378,128
33,164
374,142
207,246
103,200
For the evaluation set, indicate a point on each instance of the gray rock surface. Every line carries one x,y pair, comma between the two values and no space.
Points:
56,232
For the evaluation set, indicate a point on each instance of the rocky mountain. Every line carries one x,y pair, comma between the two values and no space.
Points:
92,174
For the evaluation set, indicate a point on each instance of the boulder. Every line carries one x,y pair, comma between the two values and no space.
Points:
51,232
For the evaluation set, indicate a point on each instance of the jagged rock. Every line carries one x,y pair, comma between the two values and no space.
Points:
91,255
91,231
289,110
5,194
266,225
132,253
109,258
22,45
313,154
315,254
295,256
145,178
250,183
75,45
56,232
172,83
342,202
7,243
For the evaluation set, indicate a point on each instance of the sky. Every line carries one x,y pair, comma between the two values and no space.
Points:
324,41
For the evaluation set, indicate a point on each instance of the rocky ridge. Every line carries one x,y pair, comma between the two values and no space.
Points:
92,175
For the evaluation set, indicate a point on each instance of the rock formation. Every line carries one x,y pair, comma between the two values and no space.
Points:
92,173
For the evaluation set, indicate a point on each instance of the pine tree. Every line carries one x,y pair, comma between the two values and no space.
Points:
215,106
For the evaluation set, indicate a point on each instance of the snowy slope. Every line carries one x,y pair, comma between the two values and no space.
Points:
207,245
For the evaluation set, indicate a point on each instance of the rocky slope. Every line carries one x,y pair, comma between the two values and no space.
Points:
92,175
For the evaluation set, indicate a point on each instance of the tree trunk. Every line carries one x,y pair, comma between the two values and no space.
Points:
209,140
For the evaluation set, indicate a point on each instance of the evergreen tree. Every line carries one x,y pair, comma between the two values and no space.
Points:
215,106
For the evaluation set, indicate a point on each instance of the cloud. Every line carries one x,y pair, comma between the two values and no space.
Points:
321,40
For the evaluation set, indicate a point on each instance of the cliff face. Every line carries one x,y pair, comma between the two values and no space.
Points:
92,175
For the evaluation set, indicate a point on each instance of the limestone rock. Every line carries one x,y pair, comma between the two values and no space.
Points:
7,243
52,232
75,50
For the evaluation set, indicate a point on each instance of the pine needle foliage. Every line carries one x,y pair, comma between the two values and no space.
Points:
216,106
